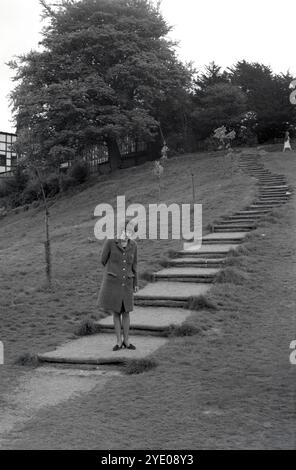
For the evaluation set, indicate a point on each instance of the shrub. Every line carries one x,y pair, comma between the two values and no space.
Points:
79,171
67,181
31,192
15,183
51,185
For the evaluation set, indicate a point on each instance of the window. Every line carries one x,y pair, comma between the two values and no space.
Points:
13,160
2,147
2,160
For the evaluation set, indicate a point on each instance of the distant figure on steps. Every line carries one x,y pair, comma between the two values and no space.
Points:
287,144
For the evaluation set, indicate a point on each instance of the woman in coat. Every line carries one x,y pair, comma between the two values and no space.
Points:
120,282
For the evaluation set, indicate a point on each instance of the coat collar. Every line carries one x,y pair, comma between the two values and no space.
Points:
117,241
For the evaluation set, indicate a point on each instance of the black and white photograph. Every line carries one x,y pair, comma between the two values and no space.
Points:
147,228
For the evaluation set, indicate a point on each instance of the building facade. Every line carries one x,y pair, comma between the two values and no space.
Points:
8,158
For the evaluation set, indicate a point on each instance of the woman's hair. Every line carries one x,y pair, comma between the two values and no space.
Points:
129,221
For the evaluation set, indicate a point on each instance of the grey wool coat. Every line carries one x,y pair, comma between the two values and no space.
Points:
120,276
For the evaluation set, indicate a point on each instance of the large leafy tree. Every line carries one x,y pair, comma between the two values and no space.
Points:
267,97
105,70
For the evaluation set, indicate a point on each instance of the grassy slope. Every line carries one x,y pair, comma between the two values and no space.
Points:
33,319
230,387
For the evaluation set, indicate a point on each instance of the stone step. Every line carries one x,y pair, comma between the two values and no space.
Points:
222,229
198,262
254,168
251,218
271,203
177,293
97,350
222,241
167,290
274,177
258,173
266,195
252,165
254,212
271,195
169,303
187,274
234,226
209,251
275,187
271,200
270,207
237,236
148,320
271,182
275,181
233,219
268,190
238,221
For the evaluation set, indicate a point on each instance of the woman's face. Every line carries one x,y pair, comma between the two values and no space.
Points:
125,235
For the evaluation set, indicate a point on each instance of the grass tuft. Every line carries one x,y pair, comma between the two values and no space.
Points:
201,302
164,263
27,360
139,366
171,253
86,328
185,329
147,276
230,275
234,261
241,250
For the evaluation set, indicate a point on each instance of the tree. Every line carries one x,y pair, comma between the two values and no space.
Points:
212,75
267,97
221,104
106,70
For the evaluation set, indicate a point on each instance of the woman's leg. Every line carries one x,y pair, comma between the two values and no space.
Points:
117,327
126,327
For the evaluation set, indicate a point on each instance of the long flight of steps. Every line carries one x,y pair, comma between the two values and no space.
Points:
190,273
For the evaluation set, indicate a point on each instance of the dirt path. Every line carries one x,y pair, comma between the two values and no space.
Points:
47,387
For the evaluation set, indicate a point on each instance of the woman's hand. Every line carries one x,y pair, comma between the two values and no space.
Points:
136,289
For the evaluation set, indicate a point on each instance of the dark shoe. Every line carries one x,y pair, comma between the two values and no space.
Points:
117,348
130,346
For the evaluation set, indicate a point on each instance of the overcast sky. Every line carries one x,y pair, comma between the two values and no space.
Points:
220,30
